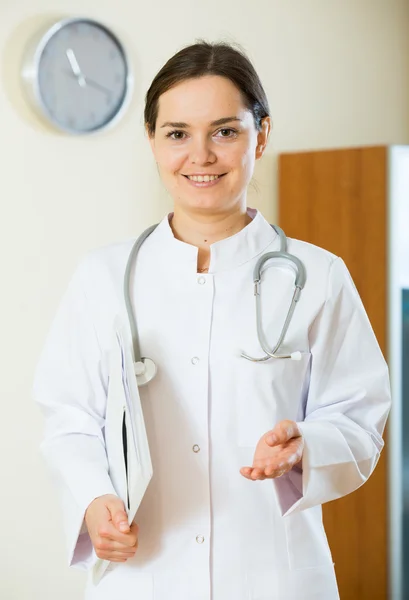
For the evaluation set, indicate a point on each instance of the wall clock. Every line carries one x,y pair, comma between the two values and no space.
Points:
77,76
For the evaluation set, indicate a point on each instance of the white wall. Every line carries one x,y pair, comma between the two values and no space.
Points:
337,74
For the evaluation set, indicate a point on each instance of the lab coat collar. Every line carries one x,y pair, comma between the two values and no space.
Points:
226,254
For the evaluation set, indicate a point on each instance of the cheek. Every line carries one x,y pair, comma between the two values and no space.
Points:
170,161
241,162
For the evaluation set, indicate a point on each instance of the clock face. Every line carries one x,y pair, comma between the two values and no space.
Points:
82,76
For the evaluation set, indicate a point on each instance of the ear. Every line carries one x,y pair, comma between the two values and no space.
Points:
262,137
151,139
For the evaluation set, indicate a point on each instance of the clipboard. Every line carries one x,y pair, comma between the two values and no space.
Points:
126,441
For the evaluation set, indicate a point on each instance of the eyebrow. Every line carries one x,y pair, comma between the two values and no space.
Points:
181,125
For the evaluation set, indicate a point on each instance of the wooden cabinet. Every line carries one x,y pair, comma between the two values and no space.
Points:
337,199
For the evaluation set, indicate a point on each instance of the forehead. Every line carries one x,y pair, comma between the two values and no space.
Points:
202,99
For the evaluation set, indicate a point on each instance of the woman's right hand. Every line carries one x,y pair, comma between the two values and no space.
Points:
107,522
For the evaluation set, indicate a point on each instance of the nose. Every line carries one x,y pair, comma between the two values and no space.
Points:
201,152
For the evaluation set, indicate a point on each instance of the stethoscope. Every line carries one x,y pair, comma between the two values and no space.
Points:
145,368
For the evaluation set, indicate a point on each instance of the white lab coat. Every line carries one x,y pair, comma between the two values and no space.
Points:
206,532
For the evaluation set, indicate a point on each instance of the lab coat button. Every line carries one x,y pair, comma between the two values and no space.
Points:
199,539
196,448
195,360
201,280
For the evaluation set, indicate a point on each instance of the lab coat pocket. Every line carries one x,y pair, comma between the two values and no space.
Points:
267,393
304,584
122,583
307,543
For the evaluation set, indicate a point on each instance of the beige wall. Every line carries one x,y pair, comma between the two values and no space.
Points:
337,74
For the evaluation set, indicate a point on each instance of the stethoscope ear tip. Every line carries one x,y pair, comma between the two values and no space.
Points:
296,355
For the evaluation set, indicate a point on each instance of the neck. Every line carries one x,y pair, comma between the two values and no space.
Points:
203,230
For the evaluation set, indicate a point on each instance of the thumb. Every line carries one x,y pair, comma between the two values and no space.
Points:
282,433
118,515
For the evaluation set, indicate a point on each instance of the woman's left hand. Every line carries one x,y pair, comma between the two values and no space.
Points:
276,452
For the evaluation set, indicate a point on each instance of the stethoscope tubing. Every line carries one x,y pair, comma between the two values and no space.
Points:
145,368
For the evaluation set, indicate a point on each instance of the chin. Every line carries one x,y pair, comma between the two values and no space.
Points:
207,205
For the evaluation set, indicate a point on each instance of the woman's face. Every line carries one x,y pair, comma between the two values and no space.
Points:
206,144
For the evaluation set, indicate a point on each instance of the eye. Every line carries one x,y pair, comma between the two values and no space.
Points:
176,135
227,132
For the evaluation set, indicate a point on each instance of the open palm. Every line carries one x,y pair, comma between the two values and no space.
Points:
276,452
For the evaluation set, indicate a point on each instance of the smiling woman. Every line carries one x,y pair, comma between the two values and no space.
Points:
206,150
207,163
307,430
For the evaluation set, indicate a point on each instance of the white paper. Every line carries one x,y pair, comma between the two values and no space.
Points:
123,399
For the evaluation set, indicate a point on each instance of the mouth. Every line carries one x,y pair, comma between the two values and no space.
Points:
204,180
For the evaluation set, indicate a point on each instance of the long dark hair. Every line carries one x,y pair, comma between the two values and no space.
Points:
204,58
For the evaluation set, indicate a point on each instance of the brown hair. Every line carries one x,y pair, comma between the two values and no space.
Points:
204,58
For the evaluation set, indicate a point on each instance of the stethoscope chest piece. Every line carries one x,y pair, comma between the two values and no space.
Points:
145,371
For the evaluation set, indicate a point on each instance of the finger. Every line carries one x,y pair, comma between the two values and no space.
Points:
282,433
246,472
132,536
116,556
116,560
120,520
272,470
257,474
252,474
123,555
118,547
107,531
107,549
110,554
119,517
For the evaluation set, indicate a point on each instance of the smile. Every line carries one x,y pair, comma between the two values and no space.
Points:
203,180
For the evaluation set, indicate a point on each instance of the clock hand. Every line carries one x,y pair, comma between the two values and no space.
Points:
98,86
90,82
75,67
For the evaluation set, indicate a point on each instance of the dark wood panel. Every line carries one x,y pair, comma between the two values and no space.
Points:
337,199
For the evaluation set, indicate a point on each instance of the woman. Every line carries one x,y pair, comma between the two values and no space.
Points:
244,453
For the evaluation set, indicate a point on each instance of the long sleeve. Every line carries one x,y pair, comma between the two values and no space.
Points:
70,387
347,405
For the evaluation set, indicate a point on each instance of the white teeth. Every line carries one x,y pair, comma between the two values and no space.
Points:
203,178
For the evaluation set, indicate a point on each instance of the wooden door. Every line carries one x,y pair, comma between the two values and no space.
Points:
337,199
